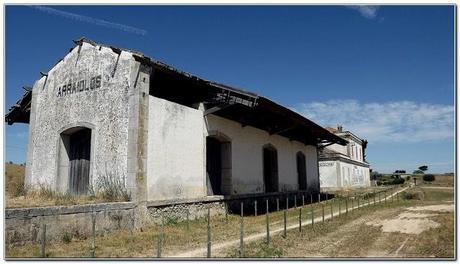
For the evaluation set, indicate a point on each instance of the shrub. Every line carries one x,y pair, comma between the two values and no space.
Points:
407,178
67,238
398,181
428,177
411,196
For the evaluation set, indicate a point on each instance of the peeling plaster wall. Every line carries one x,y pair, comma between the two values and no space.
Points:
343,174
105,110
247,163
175,162
328,173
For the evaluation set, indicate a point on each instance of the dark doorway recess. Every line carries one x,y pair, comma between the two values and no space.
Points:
218,166
79,159
270,161
301,171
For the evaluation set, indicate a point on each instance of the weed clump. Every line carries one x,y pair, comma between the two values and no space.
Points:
411,196
67,238
112,188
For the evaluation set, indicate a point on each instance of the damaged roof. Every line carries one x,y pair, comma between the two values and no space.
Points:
222,100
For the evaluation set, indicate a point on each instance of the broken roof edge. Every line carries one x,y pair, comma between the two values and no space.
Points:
141,57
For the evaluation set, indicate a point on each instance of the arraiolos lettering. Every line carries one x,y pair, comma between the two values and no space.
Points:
79,86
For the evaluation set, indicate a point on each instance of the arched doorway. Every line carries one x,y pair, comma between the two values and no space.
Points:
270,170
75,159
218,165
301,171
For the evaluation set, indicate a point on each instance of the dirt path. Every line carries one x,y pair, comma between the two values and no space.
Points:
438,187
217,249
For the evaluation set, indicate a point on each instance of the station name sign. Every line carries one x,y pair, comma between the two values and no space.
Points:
325,164
79,86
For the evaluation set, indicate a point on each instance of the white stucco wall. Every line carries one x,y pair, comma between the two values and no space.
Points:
343,174
247,161
328,173
177,154
104,109
175,161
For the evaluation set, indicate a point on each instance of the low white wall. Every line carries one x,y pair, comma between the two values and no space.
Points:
343,174
176,165
328,173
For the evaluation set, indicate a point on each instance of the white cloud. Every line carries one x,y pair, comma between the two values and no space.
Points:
91,20
366,11
400,121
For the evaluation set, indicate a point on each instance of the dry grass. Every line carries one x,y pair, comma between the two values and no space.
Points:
178,238
349,236
14,179
18,195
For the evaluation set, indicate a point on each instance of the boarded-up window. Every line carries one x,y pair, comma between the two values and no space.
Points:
270,163
79,158
301,171
74,160
218,166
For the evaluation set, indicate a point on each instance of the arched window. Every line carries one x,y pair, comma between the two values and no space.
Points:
301,171
270,169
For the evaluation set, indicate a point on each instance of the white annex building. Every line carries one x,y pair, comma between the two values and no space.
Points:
161,133
344,166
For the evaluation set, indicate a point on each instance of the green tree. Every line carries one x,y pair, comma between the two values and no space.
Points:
423,168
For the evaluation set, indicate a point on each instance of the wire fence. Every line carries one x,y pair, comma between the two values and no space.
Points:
243,219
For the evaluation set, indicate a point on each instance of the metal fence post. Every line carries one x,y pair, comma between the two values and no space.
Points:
319,197
332,213
303,200
312,215
346,205
322,209
311,198
385,195
295,201
268,222
339,206
226,213
285,220
358,201
93,244
326,197
241,232
374,197
131,231
277,204
160,237
300,219
255,207
188,218
43,241
287,202
209,233
352,199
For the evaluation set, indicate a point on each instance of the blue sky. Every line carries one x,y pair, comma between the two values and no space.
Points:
384,72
